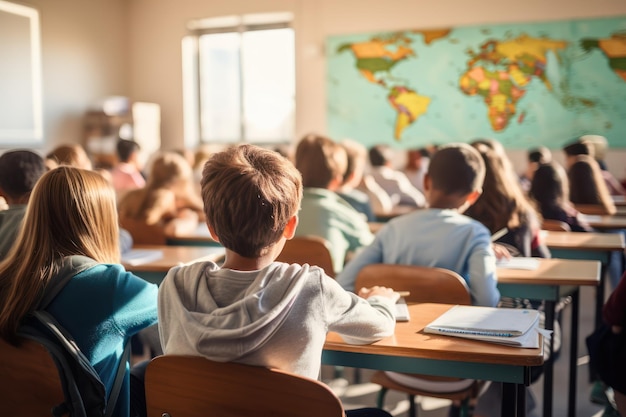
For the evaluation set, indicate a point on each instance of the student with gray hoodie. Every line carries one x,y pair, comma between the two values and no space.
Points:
253,310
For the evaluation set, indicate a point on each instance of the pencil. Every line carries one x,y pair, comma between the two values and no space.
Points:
404,293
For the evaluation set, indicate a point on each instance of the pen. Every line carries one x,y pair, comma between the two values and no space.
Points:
497,235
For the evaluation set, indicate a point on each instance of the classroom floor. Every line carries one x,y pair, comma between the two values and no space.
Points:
364,394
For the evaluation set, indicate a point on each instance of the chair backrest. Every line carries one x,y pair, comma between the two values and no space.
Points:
188,386
312,250
31,384
142,233
555,225
425,284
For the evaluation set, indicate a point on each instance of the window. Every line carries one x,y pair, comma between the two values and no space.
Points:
239,79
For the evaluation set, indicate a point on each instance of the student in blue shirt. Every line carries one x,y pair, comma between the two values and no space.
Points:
440,236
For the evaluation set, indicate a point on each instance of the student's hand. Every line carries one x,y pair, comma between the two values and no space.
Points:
617,329
501,251
382,291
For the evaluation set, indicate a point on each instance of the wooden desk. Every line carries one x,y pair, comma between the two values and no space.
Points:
619,200
200,237
606,222
583,243
412,350
553,279
155,270
589,246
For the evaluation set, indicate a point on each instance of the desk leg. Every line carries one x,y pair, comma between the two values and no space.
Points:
573,354
513,400
599,304
548,372
600,294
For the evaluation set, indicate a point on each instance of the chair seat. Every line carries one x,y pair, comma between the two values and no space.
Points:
457,389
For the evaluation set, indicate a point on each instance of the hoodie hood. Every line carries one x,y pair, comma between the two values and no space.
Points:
224,314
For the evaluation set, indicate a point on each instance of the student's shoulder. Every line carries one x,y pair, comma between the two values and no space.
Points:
111,277
191,272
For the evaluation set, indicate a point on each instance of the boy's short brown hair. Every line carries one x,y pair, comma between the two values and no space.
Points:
249,194
457,168
320,159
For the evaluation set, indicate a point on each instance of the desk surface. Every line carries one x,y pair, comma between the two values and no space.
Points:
175,255
200,235
619,200
583,240
605,222
410,341
559,272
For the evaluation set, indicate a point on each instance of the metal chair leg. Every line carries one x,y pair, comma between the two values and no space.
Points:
412,407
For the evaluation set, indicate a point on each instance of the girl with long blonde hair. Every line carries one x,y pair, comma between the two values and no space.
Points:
72,212
168,200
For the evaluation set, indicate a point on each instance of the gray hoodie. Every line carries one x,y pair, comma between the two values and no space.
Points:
277,316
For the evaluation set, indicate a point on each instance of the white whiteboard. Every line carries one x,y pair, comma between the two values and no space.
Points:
21,119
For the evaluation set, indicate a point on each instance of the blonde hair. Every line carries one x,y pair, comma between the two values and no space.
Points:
71,212
73,155
168,169
170,175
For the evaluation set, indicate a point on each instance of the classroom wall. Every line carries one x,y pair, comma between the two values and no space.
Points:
157,27
133,47
84,58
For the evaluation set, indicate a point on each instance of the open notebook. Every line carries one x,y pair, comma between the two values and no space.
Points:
508,326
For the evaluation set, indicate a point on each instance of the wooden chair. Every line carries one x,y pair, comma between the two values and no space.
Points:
31,383
555,225
312,250
142,233
187,386
425,284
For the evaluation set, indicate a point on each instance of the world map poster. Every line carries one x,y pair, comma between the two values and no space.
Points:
522,84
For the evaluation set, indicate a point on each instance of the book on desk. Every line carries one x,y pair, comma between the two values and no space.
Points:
506,326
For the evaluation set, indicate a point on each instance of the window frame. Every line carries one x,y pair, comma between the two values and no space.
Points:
192,99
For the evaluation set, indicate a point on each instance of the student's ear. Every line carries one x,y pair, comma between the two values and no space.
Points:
428,182
473,196
212,233
335,183
290,229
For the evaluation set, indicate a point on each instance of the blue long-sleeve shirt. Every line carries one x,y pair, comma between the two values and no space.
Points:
434,238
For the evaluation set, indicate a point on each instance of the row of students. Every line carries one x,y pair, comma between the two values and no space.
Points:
251,199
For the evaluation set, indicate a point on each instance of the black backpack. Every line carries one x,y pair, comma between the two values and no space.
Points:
83,390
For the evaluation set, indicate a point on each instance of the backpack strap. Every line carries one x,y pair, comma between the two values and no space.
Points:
70,387
70,266
66,340
119,379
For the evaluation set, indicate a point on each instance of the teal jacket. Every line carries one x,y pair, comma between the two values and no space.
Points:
102,307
